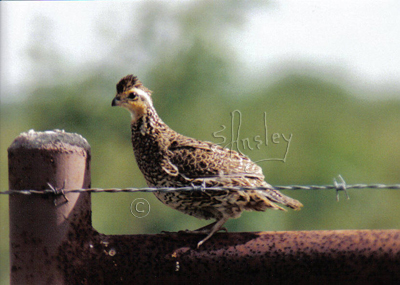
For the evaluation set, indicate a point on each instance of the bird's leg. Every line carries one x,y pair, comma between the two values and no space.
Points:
215,228
203,230
207,228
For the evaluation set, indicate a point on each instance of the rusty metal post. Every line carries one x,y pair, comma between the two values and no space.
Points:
39,224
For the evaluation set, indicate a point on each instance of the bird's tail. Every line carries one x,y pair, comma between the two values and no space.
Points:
277,197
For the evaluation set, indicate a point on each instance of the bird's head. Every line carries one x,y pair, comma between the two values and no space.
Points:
133,96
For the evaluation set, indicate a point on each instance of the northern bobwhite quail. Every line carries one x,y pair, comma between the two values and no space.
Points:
169,159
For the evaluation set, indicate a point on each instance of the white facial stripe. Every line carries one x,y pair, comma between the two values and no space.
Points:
144,95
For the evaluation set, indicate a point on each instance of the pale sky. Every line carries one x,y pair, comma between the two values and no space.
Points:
360,37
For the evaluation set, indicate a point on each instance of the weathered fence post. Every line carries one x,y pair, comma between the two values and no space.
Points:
39,224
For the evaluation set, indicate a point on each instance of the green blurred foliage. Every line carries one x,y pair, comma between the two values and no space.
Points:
194,78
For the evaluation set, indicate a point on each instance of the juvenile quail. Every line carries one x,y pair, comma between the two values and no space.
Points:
169,159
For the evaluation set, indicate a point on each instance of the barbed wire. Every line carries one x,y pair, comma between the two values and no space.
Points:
338,186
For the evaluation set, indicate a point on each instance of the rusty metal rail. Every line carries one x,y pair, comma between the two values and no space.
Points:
319,257
52,240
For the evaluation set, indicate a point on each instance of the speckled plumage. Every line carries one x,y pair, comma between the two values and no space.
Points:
169,159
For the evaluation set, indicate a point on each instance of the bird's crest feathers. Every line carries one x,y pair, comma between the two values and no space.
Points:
128,82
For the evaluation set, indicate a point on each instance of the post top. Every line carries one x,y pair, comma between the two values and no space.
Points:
55,139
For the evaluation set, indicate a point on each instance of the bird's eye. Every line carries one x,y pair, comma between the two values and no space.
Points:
132,95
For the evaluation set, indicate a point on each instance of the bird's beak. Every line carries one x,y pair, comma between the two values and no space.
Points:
115,102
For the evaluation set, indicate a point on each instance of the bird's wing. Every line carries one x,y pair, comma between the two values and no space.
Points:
205,162
196,159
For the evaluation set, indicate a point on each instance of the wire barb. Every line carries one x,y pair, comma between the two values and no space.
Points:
341,186
58,192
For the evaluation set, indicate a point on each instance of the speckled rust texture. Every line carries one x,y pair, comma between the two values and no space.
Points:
356,257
